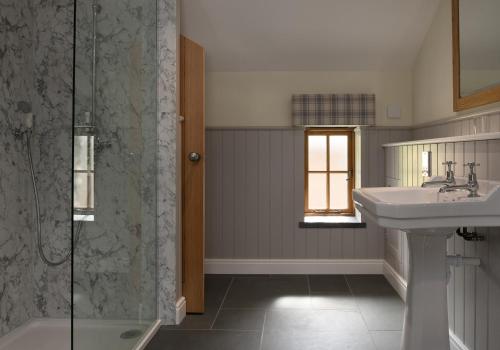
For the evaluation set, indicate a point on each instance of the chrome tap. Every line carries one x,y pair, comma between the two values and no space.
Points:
472,185
450,177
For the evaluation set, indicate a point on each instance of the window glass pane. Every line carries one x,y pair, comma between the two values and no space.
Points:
317,152
91,152
81,152
84,191
80,190
317,191
339,191
91,191
338,153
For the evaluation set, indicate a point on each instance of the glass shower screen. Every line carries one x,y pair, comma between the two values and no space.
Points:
114,193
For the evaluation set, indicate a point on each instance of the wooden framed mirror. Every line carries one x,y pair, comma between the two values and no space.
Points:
476,53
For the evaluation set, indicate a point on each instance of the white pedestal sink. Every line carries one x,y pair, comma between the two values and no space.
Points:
428,218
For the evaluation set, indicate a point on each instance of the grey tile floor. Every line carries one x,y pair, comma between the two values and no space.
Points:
327,312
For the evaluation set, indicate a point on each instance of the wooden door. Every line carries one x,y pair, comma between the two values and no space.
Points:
192,108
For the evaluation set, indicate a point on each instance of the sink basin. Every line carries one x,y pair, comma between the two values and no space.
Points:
418,208
429,218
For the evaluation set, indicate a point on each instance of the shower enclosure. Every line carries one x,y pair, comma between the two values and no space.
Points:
78,138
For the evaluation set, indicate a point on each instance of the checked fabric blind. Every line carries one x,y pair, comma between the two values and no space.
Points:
333,109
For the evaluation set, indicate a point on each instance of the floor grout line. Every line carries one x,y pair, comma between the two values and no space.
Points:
263,329
360,313
222,303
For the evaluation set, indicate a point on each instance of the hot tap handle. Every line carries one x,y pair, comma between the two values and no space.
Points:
472,166
449,164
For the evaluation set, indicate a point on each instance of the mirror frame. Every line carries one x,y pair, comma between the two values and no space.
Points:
476,99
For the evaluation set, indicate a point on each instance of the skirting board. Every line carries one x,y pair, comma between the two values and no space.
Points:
294,266
399,284
180,310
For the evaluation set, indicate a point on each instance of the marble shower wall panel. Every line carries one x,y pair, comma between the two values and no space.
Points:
115,262
83,62
167,225
16,279
52,106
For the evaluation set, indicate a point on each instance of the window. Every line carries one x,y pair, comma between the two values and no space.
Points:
83,195
329,171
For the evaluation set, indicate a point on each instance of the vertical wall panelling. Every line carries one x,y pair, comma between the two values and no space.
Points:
324,244
371,141
469,155
434,159
227,176
348,243
255,197
361,243
404,162
449,153
494,123
251,196
336,244
459,159
389,164
312,243
264,194
420,178
494,160
211,192
219,165
383,137
287,194
397,164
441,158
481,158
300,234
240,208
409,170
276,204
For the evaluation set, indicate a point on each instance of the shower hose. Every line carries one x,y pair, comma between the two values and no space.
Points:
43,257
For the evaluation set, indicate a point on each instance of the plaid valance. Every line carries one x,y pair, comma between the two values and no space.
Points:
333,109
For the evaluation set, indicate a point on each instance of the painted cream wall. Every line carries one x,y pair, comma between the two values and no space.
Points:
433,72
251,99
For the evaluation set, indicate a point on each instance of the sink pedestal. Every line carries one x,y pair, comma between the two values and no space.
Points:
429,219
426,314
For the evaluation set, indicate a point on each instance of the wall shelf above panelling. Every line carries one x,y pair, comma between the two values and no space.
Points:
477,137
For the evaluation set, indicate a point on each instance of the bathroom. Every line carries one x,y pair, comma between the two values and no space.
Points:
212,174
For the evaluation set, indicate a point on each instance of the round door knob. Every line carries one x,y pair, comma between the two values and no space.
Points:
194,157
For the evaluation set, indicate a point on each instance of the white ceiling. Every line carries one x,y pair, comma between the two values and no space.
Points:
246,35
